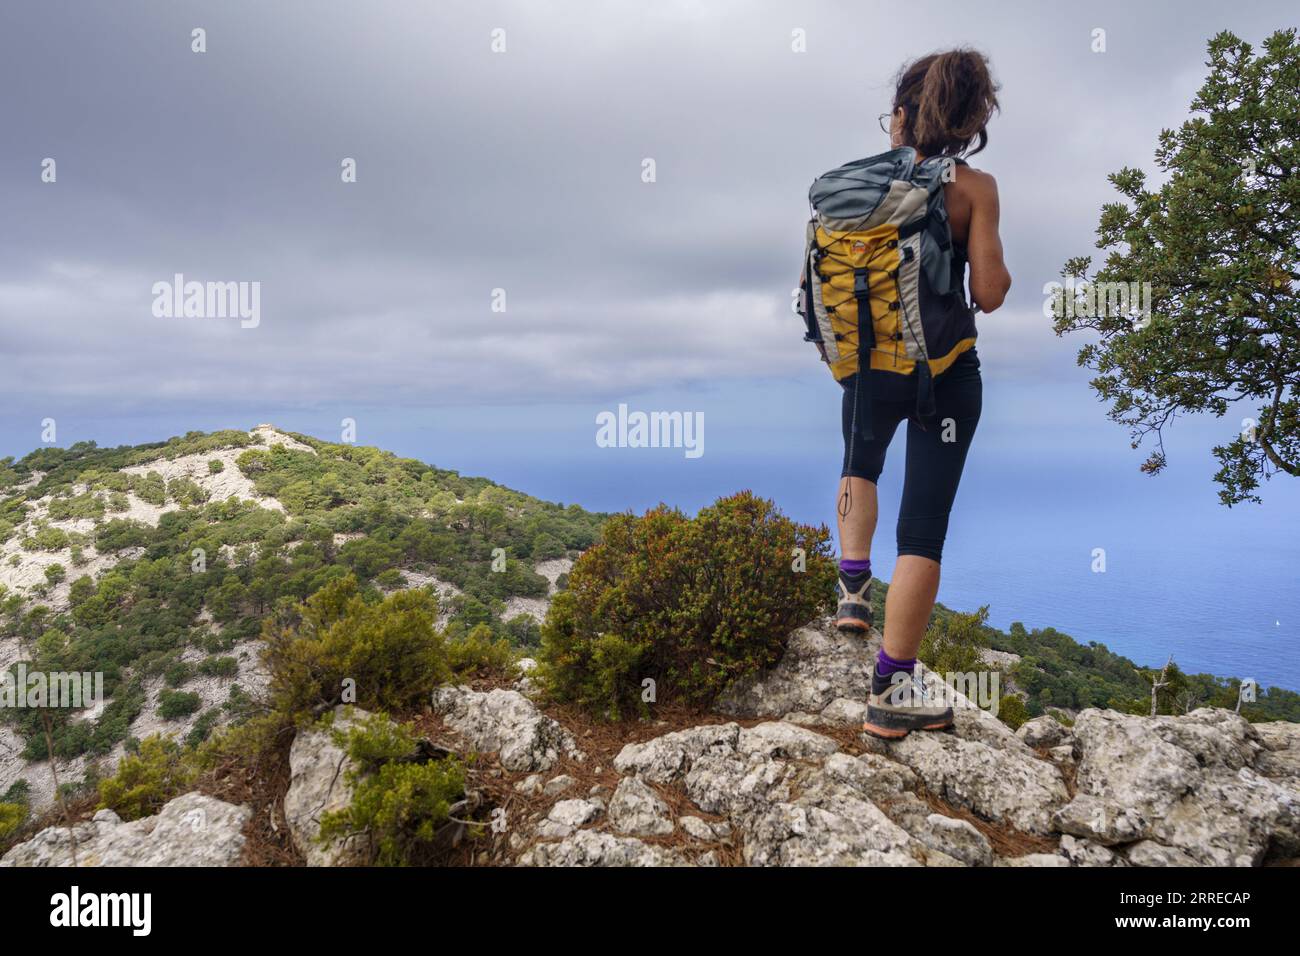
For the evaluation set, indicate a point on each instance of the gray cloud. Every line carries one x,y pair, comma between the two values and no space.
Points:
519,171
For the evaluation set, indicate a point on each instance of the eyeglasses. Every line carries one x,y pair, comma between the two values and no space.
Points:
884,120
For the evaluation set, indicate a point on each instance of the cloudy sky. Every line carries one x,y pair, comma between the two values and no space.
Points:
522,171
516,170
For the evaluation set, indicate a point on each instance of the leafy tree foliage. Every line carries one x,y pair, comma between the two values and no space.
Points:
1218,241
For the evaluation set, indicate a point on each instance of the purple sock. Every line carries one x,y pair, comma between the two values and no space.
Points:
886,665
855,565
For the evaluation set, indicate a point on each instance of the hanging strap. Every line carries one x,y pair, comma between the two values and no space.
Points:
866,344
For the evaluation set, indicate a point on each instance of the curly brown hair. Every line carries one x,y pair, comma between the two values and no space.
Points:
947,101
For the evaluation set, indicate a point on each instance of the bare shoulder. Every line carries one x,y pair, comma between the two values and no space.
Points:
976,184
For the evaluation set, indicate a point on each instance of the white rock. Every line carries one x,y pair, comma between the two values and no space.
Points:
318,784
638,811
191,830
507,723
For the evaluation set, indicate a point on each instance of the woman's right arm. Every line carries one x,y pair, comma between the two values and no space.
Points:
989,278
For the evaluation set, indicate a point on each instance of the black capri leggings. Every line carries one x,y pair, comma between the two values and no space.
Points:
936,453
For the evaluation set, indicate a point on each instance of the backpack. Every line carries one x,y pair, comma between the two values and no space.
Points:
882,286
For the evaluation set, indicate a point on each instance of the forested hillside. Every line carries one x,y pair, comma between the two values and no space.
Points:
157,564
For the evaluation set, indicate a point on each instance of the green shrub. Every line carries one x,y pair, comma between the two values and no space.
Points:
80,506
177,673
173,704
215,466
46,538
121,533
151,488
692,603
481,652
1061,718
399,805
953,641
12,816
391,650
203,727
246,742
522,630
186,492
390,580
219,667
1011,711
19,792
147,779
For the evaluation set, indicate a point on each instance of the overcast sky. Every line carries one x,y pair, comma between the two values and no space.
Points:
520,170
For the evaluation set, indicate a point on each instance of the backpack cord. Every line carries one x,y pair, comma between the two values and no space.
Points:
846,499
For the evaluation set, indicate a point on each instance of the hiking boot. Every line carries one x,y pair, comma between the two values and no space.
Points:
854,611
904,707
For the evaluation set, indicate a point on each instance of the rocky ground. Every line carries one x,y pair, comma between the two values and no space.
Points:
781,776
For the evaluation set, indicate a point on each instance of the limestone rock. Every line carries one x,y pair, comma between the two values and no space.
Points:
1185,782
191,830
819,666
318,784
781,739
667,758
593,848
637,810
1035,859
1044,732
567,815
507,723
1005,786
697,829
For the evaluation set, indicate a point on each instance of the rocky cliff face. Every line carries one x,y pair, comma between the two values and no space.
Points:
782,777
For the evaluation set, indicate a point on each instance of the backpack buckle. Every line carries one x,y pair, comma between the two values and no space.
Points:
861,284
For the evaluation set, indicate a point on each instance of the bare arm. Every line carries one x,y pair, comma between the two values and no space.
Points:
989,278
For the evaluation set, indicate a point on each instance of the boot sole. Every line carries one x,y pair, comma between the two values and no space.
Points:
898,733
852,624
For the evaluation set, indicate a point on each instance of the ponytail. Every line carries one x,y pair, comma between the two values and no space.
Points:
947,101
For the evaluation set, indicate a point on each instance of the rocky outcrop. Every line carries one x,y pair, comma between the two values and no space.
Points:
318,784
1003,786
790,781
191,830
1044,732
1185,783
506,723
820,666
637,810
1206,788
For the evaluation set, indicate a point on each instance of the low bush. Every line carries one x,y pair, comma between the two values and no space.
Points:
1011,711
147,779
12,816
690,603
391,651
400,805
174,704
952,643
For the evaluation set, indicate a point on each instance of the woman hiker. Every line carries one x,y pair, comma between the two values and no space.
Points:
942,104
